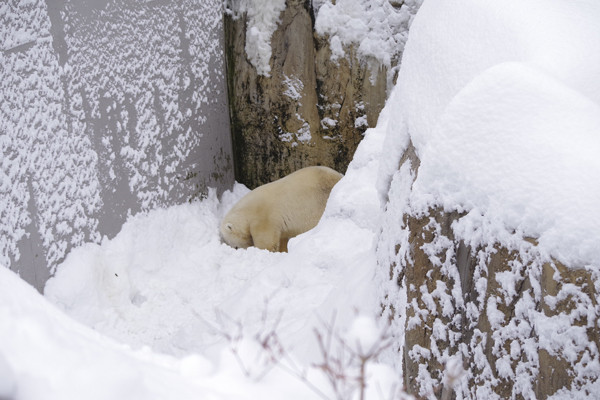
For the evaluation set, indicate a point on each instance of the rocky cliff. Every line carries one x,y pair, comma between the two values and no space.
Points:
305,106
521,324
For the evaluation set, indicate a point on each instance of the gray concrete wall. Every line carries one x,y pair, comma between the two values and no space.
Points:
107,108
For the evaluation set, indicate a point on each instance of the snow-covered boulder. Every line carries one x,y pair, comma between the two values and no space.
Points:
490,249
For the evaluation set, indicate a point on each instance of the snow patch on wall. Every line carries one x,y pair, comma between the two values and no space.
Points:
262,20
154,96
48,162
293,87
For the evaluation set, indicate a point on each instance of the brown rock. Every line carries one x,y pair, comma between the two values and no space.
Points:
524,324
306,111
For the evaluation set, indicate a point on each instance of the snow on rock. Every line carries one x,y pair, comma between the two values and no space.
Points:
490,229
442,58
532,162
505,122
377,28
263,18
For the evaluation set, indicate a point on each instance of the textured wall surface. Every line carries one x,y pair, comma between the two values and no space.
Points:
108,108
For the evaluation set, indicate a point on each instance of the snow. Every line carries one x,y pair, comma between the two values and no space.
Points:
506,122
500,103
376,28
293,87
93,127
183,314
262,20
302,135
39,150
50,356
364,334
179,257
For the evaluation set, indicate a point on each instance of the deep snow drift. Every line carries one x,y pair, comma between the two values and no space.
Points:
167,287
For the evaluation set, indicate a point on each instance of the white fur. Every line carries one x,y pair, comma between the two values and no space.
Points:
271,214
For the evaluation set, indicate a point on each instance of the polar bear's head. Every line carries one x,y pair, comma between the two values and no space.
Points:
236,235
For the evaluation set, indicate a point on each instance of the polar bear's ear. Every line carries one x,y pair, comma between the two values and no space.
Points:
229,226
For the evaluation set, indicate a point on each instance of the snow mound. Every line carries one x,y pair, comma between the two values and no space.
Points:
166,284
44,354
193,315
506,122
443,55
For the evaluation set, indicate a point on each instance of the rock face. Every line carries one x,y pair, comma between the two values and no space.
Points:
310,110
523,324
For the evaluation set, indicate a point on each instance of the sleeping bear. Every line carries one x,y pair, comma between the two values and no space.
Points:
271,214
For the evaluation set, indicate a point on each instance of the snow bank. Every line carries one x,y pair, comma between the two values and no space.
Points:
160,281
506,121
167,283
44,354
171,292
165,278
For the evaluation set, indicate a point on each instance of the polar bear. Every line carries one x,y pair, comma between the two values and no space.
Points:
271,214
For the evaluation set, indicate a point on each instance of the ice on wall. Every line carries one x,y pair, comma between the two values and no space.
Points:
109,108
